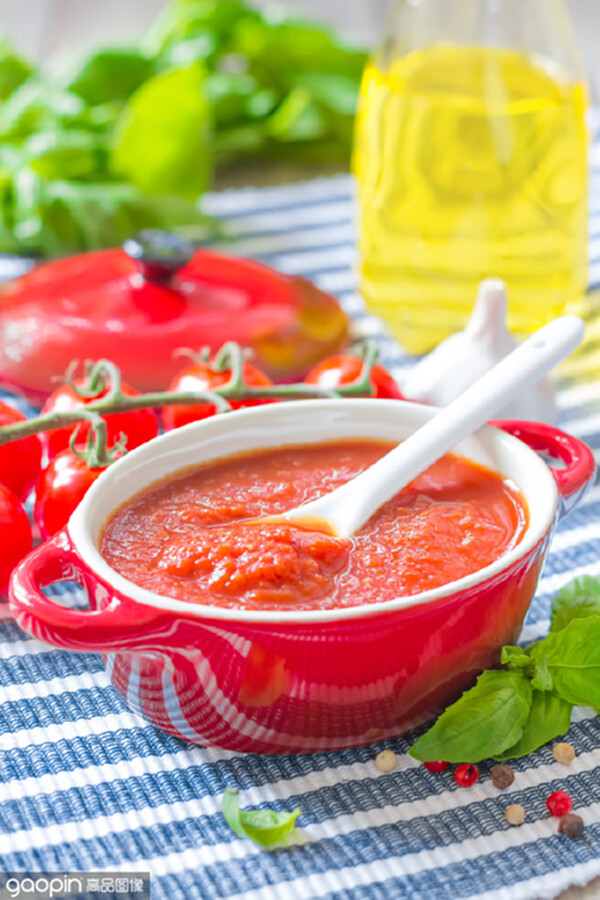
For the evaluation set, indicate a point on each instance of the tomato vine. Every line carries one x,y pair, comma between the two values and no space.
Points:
230,357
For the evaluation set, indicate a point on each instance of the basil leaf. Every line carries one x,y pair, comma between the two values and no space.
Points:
13,70
298,118
55,217
289,47
270,828
484,722
246,139
231,811
109,74
183,20
63,154
192,49
228,94
37,105
337,92
579,599
162,140
549,717
265,827
573,657
542,678
515,657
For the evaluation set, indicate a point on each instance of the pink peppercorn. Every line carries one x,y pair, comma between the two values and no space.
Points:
466,774
438,766
559,803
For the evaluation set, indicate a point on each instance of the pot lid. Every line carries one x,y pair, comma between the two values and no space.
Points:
138,304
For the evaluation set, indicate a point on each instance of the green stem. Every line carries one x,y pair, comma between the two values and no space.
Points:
363,387
96,452
231,357
97,376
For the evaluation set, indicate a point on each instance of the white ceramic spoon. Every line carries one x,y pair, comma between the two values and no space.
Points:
344,510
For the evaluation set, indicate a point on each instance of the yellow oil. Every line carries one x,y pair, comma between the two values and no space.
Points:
471,162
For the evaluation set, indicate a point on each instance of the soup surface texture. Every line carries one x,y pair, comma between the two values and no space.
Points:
186,537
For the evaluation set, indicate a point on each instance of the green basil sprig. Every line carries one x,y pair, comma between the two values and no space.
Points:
266,827
95,149
514,710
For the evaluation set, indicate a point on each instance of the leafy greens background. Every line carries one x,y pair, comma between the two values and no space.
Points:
129,137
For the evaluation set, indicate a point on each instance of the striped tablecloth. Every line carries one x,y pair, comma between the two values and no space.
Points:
85,785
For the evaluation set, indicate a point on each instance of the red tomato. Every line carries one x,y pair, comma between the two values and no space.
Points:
20,461
339,370
139,425
199,376
60,488
15,534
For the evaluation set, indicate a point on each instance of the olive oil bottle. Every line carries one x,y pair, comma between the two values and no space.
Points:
471,155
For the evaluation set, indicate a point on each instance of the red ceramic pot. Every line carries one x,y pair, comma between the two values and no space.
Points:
277,682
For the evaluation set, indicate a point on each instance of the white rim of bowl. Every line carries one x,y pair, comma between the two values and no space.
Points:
91,557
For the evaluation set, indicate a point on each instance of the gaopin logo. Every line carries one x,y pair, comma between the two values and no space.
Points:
54,886
71,885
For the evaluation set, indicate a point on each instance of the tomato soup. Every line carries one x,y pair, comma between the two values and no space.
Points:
187,537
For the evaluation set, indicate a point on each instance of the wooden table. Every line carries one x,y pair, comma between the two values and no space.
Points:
589,892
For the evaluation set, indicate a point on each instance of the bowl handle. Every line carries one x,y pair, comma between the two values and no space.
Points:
579,469
119,624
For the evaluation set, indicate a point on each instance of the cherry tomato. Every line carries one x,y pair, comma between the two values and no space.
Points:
138,425
15,534
339,370
199,376
20,461
60,488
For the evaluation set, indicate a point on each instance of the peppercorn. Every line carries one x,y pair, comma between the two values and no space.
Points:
502,776
559,803
437,766
514,814
466,774
571,825
563,753
386,761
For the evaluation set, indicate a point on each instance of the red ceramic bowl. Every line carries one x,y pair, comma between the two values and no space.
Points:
277,682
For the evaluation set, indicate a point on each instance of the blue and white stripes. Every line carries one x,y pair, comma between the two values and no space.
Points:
85,784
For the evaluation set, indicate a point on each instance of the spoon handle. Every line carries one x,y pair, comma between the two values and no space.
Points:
352,504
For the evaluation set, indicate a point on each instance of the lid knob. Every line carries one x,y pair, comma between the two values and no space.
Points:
158,254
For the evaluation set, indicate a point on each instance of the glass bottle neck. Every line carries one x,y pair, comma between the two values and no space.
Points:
536,28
